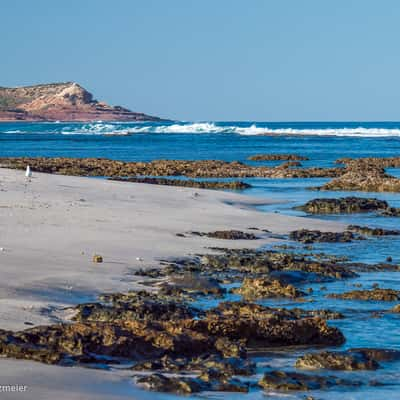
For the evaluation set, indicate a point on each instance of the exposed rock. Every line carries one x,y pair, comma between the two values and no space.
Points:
364,175
396,308
135,340
211,380
146,328
287,381
217,381
60,102
228,235
227,366
277,157
345,361
326,314
259,288
162,383
381,162
373,294
378,354
297,277
244,262
266,327
200,168
289,164
311,236
343,205
232,185
366,230
249,310
391,212
136,307
362,267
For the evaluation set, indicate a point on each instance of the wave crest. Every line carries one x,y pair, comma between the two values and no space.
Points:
128,128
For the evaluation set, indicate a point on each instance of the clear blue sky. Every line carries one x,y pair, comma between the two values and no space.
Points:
213,59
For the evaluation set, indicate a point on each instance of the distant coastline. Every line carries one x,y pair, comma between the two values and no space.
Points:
64,102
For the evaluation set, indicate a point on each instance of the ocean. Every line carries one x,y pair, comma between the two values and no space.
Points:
323,143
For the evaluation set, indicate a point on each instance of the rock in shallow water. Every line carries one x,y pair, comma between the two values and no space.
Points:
210,381
396,309
345,361
247,262
311,236
366,230
226,334
289,381
135,307
258,288
343,205
234,185
367,175
190,168
228,366
277,157
162,383
373,294
227,235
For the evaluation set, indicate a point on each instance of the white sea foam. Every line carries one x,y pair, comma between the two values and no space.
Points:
118,128
98,128
357,132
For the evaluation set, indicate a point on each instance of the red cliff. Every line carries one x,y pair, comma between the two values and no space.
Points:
60,102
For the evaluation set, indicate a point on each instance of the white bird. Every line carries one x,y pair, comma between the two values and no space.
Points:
28,172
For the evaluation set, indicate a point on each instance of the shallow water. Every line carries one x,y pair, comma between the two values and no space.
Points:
323,143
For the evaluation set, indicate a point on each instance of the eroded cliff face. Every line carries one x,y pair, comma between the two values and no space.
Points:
60,102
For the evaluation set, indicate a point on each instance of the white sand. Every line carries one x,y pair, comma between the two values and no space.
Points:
52,226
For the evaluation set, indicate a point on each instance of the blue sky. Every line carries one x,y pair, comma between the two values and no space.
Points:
265,60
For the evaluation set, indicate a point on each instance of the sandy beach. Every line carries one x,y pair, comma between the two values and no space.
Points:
51,227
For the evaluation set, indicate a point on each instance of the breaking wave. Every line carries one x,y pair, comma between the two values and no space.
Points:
14,131
246,129
209,127
96,129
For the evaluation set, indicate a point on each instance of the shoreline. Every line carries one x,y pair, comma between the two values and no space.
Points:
57,223
49,221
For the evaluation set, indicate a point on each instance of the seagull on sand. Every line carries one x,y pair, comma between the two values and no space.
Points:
28,172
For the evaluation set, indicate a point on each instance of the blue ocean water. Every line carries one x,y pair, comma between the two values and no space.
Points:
323,143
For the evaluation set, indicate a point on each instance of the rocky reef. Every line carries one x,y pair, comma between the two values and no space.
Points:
164,331
259,288
277,157
376,294
212,380
380,162
366,175
290,381
357,175
343,205
312,236
368,231
349,360
114,334
232,185
60,102
194,169
344,361
227,235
